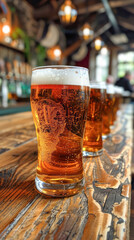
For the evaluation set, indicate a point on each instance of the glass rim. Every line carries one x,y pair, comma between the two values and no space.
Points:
59,67
98,85
96,82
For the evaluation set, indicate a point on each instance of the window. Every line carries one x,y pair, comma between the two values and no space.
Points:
126,63
102,67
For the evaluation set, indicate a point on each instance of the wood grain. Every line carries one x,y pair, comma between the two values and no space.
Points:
99,211
16,130
132,217
16,121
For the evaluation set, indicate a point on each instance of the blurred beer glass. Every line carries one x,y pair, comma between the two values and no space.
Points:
107,113
92,143
59,101
118,93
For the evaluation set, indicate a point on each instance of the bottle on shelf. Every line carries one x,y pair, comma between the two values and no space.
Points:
4,84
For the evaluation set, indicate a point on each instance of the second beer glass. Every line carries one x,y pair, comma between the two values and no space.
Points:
92,143
107,112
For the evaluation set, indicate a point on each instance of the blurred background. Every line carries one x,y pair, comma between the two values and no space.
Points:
97,34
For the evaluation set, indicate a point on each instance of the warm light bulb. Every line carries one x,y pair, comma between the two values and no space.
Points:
6,29
8,39
57,53
67,10
86,31
104,51
98,43
54,53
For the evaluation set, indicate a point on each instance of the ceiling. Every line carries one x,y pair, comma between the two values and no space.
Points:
112,20
107,18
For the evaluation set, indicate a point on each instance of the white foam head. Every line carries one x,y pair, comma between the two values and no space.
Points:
110,89
119,90
126,94
97,85
60,75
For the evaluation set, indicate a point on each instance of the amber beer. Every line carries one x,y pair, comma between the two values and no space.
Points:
107,113
92,143
118,100
59,101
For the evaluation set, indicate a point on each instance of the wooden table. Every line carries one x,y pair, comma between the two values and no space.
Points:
100,211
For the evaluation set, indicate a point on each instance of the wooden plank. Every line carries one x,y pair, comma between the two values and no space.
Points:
126,24
96,206
121,135
130,9
99,6
47,12
16,137
99,211
15,130
132,217
7,123
70,49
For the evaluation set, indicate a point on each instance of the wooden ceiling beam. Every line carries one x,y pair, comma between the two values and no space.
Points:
54,4
68,51
131,10
42,2
99,7
42,12
45,11
126,24
101,30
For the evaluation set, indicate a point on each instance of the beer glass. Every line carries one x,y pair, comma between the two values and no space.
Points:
59,102
92,143
107,111
118,98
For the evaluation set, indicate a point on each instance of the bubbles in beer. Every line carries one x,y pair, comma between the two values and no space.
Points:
59,113
51,116
92,142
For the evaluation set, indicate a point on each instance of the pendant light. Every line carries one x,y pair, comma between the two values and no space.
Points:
98,43
54,53
5,27
67,12
104,50
86,32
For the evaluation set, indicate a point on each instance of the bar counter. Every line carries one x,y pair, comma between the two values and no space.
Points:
15,108
100,211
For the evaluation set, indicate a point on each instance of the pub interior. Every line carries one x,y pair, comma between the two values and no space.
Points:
94,34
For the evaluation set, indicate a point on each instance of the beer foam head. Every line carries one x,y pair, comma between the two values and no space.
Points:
60,75
110,89
119,90
97,85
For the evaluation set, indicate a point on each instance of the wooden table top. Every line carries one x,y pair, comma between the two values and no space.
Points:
100,211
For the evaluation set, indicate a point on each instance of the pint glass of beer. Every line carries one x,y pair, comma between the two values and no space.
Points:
92,143
107,112
59,102
118,98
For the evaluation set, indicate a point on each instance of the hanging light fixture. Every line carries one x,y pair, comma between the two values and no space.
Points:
86,32
67,12
54,53
6,29
104,50
98,43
